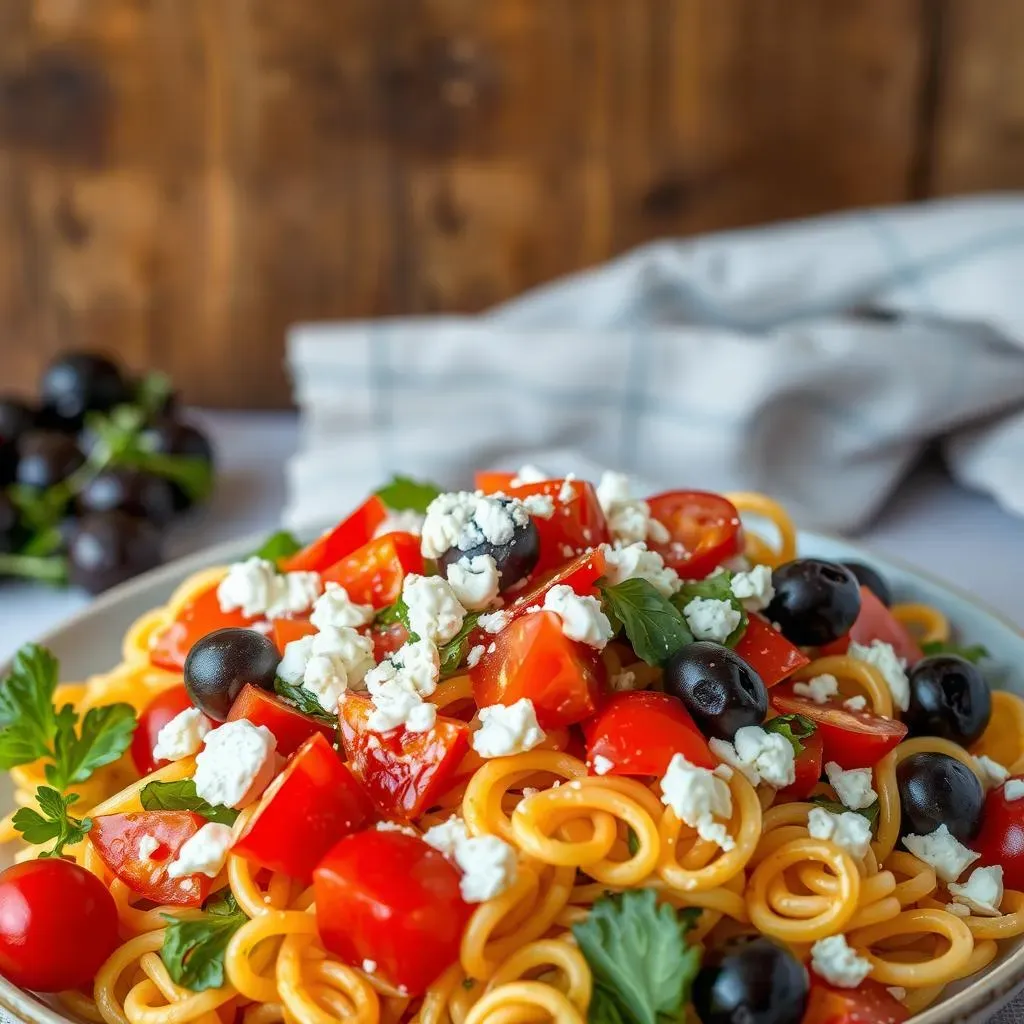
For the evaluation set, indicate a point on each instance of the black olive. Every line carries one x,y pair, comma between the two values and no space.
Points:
750,979
872,579
46,458
16,418
950,698
515,559
169,436
815,602
10,525
132,491
110,547
78,383
221,663
720,690
936,789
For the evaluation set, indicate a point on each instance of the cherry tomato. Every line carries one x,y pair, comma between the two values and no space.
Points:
869,1003
533,658
807,766
390,898
403,772
116,839
768,652
491,481
341,540
58,924
287,630
158,712
637,734
290,726
853,739
705,531
1001,839
876,622
373,574
312,804
581,574
200,616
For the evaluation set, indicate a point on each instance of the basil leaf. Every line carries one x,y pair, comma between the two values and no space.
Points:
28,719
277,546
393,613
403,493
182,796
714,588
870,812
302,699
654,626
53,822
194,948
973,653
453,653
106,733
794,727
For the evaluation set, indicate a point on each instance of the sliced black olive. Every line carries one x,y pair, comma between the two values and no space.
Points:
815,602
936,789
221,663
870,578
78,383
108,548
950,698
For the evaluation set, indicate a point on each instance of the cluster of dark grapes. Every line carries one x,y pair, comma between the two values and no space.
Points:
92,475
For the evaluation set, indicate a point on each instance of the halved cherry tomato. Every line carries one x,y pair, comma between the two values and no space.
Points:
638,733
116,839
876,622
705,531
387,640
58,923
287,630
290,726
490,481
312,804
869,1003
341,540
533,658
403,772
200,616
581,574
768,652
373,573
1001,839
853,739
157,713
807,767
390,898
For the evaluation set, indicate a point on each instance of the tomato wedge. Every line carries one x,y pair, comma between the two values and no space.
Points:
490,481
403,772
287,630
157,713
705,530
533,658
373,573
807,768
768,652
290,726
869,1003
387,640
341,540
582,574
200,616
116,839
876,622
312,804
1001,839
389,898
853,739
638,733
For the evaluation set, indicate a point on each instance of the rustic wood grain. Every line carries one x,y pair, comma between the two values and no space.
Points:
182,179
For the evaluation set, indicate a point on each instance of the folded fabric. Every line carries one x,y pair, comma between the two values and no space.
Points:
814,361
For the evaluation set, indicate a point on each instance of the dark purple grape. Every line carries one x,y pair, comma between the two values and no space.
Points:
78,383
111,547
170,436
10,527
46,458
16,418
129,490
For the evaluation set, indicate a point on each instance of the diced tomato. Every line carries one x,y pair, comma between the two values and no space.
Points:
390,898
853,739
581,574
868,1003
533,658
290,726
705,529
287,630
638,733
116,839
341,540
387,640
768,652
312,804
1001,839
200,616
876,622
373,574
403,772
807,766
157,713
491,481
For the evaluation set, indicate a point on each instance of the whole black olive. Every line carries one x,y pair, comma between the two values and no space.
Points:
936,789
170,436
949,698
720,690
221,663
870,578
46,458
108,548
129,490
78,383
815,602
16,418
10,525
750,979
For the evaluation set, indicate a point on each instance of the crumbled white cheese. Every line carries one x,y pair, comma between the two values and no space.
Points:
464,520
335,609
992,772
401,521
1013,789
204,853
236,764
853,787
849,830
892,668
182,736
369,966
754,588
434,611
397,688
760,755
897,992
834,960
629,519
148,845
328,663
583,619
635,561
256,588
488,864
982,892
529,474
711,619
494,622
506,730
821,689
417,664
567,492
698,797
474,581
857,703
395,826
475,654
601,765
540,505
943,852
624,680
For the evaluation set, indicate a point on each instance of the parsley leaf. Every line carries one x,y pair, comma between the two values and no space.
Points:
194,948
404,493
453,653
870,812
53,823
277,546
794,727
304,700
974,653
182,796
105,734
714,588
28,719
653,625
642,964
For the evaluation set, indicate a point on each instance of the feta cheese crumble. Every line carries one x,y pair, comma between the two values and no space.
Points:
204,853
434,611
601,765
465,520
148,845
624,680
942,852
475,654
993,773
821,689
256,588
834,960
236,764
328,663
853,787
1013,789
629,518
182,736
334,609
494,622
488,864
711,619
760,755
540,505
369,966
849,830
881,656
474,581
982,893
698,796
529,474
897,992
397,688
506,730
583,619
634,561
754,588
857,703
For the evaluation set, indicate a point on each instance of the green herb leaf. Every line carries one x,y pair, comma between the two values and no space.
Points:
194,475
403,493
795,728
194,948
277,546
305,701
642,964
632,841
453,653
105,734
152,393
974,653
39,511
653,625
870,812
182,796
392,614
53,823
714,588
28,719
48,569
